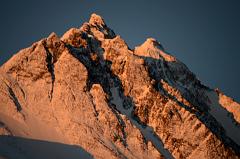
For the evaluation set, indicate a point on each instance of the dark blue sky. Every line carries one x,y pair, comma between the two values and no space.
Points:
204,34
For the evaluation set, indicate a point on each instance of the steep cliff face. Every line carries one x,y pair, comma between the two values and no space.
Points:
89,89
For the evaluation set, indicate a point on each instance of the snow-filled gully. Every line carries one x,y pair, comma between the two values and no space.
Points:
147,132
222,116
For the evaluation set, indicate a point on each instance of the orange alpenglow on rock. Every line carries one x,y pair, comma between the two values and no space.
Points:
152,48
96,20
89,89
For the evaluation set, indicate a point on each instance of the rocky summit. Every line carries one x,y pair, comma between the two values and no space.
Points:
88,95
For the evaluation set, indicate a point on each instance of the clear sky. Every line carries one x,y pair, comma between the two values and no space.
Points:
204,34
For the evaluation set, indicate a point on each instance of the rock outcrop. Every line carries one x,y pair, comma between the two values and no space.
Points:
89,89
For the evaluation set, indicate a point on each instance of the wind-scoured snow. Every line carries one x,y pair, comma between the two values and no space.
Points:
223,117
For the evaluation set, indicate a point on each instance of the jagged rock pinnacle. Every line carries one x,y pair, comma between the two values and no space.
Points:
52,38
53,35
98,28
96,20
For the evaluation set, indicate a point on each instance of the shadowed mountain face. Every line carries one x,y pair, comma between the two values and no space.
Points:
22,148
89,89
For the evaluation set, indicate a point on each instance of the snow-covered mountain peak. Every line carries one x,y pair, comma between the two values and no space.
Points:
89,89
152,48
152,42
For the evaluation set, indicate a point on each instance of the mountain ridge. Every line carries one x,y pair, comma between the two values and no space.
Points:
91,90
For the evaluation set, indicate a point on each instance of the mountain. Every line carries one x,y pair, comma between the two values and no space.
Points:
88,95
